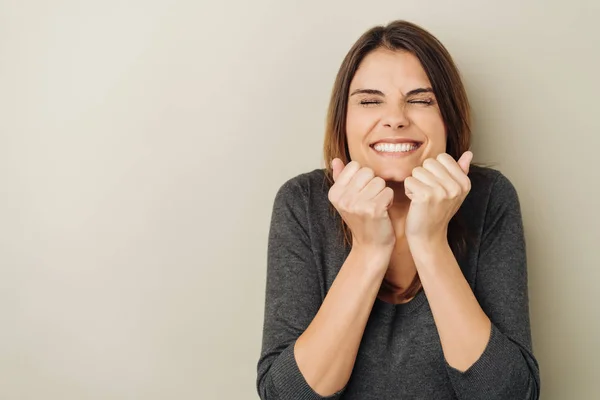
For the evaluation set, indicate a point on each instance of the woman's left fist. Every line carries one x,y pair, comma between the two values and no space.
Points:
436,190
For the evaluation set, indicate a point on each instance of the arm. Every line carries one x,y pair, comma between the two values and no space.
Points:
309,348
485,336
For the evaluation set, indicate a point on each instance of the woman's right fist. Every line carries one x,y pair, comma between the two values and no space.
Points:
363,199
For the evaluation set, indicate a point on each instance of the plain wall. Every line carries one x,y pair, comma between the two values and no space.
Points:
142,143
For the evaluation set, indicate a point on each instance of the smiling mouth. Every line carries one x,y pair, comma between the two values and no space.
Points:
396,148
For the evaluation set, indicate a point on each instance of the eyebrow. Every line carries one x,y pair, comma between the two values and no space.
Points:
380,93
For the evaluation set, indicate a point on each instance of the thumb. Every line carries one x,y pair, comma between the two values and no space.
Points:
465,161
337,166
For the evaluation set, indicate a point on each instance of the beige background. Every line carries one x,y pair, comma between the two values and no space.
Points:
141,145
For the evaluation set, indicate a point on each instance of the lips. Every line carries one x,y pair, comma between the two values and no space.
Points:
397,141
395,148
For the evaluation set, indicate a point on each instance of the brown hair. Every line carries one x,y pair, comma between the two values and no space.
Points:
449,92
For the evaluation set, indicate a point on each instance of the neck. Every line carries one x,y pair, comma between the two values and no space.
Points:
401,270
399,209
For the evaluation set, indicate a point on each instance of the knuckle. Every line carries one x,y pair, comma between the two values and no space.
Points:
428,162
330,197
416,170
443,157
455,191
367,172
354,166
468,185
379,181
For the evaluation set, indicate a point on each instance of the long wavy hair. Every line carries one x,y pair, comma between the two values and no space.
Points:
450,94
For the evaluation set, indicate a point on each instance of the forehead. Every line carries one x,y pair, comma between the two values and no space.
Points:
388,70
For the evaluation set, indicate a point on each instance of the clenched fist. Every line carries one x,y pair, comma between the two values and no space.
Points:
362,199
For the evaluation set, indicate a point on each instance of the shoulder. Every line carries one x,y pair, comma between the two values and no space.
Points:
491,203
305,196
304,187
491,188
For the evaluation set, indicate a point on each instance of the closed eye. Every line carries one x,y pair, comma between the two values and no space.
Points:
370,102
426,102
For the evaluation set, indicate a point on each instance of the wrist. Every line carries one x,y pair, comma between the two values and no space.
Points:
427,247
373,257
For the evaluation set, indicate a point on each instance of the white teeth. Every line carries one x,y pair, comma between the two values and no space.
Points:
395,147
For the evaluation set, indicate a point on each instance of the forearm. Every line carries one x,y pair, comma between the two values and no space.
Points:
463,327
327,349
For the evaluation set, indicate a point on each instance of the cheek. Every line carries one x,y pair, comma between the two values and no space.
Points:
430,122
358,125
356,121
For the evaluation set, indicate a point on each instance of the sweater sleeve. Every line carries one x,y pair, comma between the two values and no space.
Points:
507,369
292,299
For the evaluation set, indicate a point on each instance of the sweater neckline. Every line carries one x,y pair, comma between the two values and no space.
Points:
403,308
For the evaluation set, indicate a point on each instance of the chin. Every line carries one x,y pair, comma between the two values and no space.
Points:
393,176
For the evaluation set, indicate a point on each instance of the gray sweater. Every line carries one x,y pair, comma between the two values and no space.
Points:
400,355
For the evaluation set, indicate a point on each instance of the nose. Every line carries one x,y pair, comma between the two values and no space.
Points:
395,118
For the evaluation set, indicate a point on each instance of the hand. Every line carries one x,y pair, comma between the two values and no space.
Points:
436,190
362,199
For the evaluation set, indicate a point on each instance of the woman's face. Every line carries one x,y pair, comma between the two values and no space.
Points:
393,122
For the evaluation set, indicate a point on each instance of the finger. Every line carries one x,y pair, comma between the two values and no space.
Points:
425,177
347,173
360,179
455,170
437,169
443,176
373,188
415,189
385,198
337,166
465,161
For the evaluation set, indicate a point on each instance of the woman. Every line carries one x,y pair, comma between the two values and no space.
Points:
415,286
